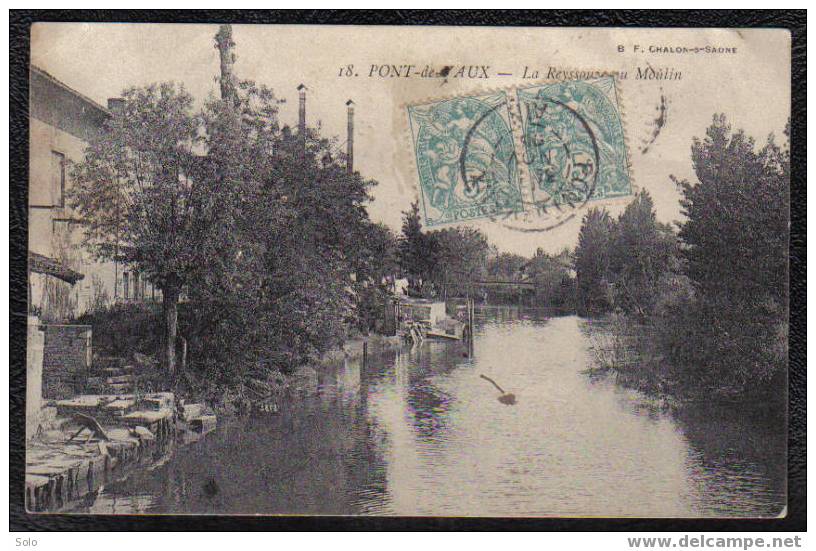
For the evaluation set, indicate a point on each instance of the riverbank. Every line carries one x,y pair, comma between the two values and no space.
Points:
91,440
630,353
305,379
354,348
268,395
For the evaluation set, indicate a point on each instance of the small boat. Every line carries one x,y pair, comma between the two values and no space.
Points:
433,318
448,328
434,334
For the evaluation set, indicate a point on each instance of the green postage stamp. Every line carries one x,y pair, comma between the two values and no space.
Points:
466,158
542,149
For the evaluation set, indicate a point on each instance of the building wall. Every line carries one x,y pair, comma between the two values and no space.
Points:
62,123
60,126
55,231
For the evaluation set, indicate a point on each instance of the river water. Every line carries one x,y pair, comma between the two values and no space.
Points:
418,432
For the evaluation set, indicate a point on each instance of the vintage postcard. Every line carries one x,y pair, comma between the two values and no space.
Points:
408,271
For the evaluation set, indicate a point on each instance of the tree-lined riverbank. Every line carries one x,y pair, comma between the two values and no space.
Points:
704,307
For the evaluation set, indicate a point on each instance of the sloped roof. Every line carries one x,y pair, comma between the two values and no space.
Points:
54,80
42,264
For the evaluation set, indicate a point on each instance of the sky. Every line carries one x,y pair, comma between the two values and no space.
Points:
751,86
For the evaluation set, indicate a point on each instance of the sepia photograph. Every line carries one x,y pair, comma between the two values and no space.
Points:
408,271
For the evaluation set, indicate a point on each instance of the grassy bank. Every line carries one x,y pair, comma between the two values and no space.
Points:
218,371
626,351
269,395
631,353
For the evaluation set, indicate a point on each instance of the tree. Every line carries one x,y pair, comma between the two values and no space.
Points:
736,233
302,251
138,193
505,267
551,275
620,263
640,253
461,256
376,261
417,251
735,244
377,253
592,263
265,230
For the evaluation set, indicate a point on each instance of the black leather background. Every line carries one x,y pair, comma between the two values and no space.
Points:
20,23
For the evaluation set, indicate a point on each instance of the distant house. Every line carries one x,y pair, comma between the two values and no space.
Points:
61,123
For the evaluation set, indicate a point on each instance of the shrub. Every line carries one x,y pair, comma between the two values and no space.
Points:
122,329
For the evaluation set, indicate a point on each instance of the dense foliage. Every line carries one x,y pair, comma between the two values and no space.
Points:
417,251
735,246
592,263
713,296
263,236
460,261
264,231
141,198
553,279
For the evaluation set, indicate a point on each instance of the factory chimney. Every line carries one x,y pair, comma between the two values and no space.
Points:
302,113
225,45
350,138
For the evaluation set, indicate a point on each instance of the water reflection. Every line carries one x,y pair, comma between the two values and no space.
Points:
419,433
735,460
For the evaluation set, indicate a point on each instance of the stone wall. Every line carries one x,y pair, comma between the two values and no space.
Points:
67,355
34,375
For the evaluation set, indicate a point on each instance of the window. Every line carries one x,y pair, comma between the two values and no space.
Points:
136,287
57,179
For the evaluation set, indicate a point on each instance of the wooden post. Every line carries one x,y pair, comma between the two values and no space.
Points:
472,324
183,354
471,316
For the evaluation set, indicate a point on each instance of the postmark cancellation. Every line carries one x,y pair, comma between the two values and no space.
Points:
541,150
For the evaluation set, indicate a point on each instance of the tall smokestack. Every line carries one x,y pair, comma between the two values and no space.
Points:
225,44
302,112
350,138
